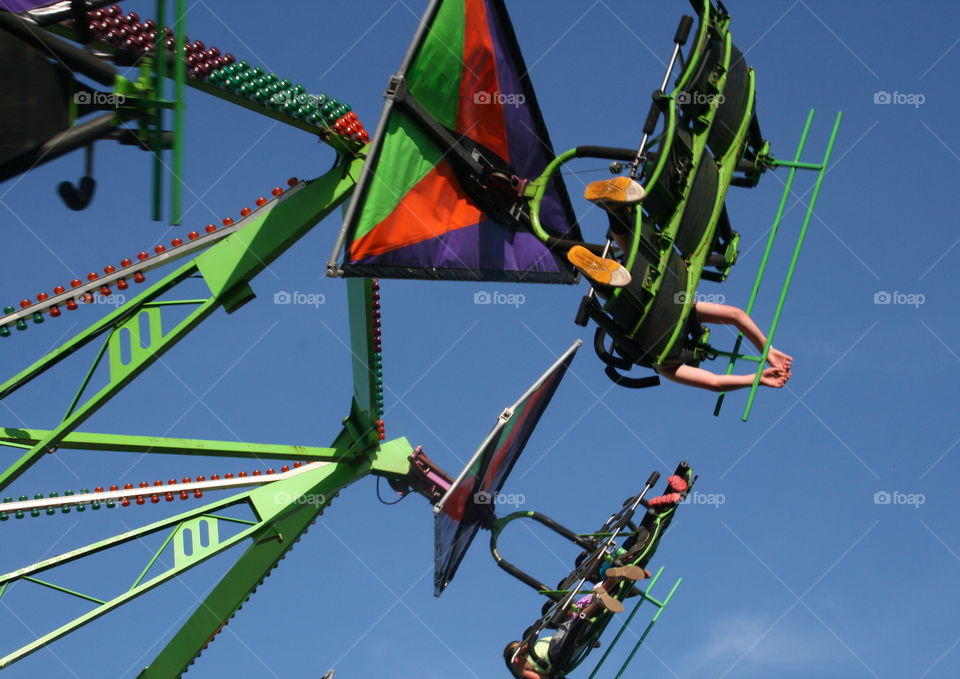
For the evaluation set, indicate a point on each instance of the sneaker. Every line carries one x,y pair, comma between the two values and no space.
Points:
609,602
599,270
613,193
628,573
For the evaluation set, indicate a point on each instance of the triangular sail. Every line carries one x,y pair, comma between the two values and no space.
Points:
473,496
460,133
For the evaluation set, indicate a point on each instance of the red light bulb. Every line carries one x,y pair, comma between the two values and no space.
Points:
261,201
159,248
209,228
245,211
193,235
109,269
276,191
54,311
142,256
24,303
126,262
58,290
122,284
228,221
139,277
92,276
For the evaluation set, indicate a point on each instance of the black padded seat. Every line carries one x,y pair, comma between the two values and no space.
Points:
665,312
733,109
699,207
663,198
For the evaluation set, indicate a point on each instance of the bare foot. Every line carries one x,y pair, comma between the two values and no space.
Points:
773,377
778,359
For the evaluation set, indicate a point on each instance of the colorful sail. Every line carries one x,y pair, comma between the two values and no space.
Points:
471,500
460,134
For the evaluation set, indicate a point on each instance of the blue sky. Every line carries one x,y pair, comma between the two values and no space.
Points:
795,570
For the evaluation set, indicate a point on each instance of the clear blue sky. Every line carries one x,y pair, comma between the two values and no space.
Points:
798,573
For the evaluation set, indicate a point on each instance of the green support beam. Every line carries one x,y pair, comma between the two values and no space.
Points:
284,510
226,267
171,446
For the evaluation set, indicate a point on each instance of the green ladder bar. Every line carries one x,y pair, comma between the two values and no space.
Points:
794,166
645,596
793,262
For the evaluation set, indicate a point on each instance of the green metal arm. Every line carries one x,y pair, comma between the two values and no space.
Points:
283,511
226,269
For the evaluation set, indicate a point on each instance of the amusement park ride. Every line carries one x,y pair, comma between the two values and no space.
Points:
449,188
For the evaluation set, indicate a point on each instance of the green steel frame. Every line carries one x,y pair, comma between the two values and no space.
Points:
283,509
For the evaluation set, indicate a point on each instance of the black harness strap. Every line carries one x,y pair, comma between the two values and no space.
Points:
486,177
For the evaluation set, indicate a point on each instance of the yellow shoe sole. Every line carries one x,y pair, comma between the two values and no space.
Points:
614,191
598,269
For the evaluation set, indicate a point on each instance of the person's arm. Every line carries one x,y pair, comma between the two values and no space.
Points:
723,314
704,379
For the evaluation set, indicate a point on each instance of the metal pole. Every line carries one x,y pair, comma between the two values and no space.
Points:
159,75
180,76
793,261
